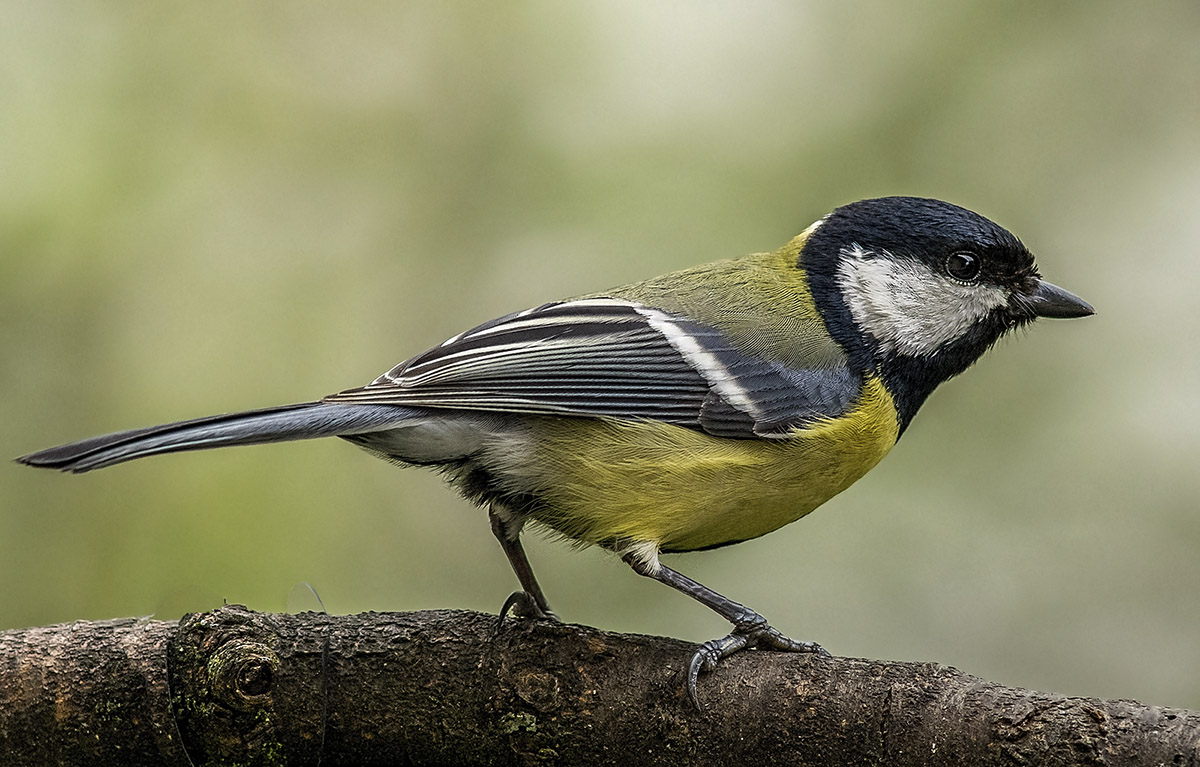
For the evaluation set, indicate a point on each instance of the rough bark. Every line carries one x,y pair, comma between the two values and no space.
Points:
439,688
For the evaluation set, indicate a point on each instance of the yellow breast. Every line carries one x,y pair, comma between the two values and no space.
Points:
606,481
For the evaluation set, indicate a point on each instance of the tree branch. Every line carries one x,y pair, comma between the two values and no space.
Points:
237,687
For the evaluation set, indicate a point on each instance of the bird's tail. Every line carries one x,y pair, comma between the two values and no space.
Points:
277,424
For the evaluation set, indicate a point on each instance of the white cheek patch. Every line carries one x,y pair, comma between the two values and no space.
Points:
906,306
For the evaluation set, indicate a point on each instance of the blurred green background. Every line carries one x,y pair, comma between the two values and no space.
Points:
226,205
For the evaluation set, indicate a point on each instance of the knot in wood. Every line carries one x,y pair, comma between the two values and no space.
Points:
241,674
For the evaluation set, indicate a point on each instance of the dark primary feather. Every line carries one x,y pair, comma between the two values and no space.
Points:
602,357
557,359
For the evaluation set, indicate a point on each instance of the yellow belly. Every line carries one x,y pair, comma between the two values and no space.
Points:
685,490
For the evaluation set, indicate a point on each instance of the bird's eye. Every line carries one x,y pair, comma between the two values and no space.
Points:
963,266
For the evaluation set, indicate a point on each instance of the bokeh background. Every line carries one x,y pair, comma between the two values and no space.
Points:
217,206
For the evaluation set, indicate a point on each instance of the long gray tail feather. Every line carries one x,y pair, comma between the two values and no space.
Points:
277,424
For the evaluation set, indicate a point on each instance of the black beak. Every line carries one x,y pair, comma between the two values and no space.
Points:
1052,301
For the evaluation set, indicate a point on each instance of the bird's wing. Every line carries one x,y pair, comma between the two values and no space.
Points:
610,358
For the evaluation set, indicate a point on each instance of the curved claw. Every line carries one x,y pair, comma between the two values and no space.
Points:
523,605
706,657
755,635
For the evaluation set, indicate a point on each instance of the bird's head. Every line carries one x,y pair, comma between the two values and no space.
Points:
918,289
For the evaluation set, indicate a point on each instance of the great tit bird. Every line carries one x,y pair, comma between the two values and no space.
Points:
686,412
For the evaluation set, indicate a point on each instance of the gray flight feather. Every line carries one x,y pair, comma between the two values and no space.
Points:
608,358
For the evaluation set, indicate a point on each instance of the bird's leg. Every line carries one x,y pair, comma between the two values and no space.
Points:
530,602
750,629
